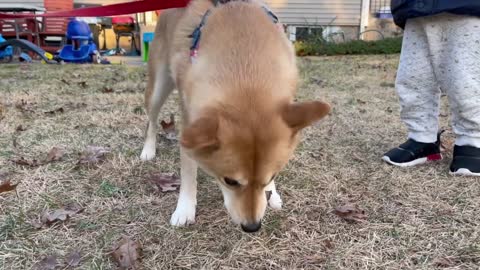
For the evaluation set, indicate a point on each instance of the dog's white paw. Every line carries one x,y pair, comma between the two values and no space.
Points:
148,153
275,202
183,215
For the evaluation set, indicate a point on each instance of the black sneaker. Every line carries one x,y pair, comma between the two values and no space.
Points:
412,153
466,161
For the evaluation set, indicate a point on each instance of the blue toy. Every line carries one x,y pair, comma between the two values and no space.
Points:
80,47
7,52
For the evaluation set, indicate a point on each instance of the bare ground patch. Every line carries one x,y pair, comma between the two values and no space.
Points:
418,218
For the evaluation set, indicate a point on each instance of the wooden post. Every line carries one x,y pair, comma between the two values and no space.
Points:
365,16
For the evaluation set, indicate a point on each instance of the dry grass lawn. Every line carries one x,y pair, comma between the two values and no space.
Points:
419,218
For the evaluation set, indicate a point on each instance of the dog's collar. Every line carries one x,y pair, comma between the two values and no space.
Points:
197,32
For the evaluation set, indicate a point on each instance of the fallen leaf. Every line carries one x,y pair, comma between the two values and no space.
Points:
2,111
165,182
48,263
59,110
20,128
359,101
443,262
93,154
317,81
65,81
14,142
36,224
169,128
59,215
107,90
83,84
350,213
25,162
7,186
72,105
127,253
24,106
73,259
328,244
55,154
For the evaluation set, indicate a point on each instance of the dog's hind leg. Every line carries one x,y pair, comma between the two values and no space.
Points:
187,199
160,85
274,201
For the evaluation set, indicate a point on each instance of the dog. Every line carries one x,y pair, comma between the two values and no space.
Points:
237,76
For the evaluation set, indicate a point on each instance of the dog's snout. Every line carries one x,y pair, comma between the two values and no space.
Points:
251,227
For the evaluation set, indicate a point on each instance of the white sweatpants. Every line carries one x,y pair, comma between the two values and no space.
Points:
441,52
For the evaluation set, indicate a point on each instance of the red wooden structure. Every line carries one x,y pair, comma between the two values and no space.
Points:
47,33
54,27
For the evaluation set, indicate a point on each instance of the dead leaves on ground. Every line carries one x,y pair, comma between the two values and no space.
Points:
350,213
106,90
164,182
55,154
49,218
28,107
2,111
48,263
127,253
93,154
51,262
82,84
25,162
55,111
59,215
20,128
24,106
443,262
73,259
5,184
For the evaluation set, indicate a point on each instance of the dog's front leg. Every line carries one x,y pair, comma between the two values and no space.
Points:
274,200
187,200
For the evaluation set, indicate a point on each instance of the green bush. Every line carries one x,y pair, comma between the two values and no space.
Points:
384,46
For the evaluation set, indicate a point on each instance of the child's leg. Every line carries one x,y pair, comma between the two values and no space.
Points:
417,85
419,99
457,55
455,46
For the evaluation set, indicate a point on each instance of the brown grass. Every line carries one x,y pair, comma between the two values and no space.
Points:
419,218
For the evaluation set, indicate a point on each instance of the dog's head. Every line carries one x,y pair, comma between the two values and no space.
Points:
245,151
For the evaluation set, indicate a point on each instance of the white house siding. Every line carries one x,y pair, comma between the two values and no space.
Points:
317,12
297,12
38,3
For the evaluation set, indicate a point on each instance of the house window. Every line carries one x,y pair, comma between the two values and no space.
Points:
380,8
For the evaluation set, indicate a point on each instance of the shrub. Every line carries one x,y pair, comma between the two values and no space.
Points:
384,46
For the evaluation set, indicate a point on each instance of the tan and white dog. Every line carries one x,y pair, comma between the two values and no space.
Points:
240,121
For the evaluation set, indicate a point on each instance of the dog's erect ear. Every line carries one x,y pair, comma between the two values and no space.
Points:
301,115
202,133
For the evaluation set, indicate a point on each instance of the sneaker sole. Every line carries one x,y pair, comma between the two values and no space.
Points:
418,161
464,172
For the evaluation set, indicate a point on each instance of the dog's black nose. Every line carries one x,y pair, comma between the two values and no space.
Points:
252,227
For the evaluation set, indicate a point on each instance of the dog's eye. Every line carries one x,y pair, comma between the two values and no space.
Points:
231,182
